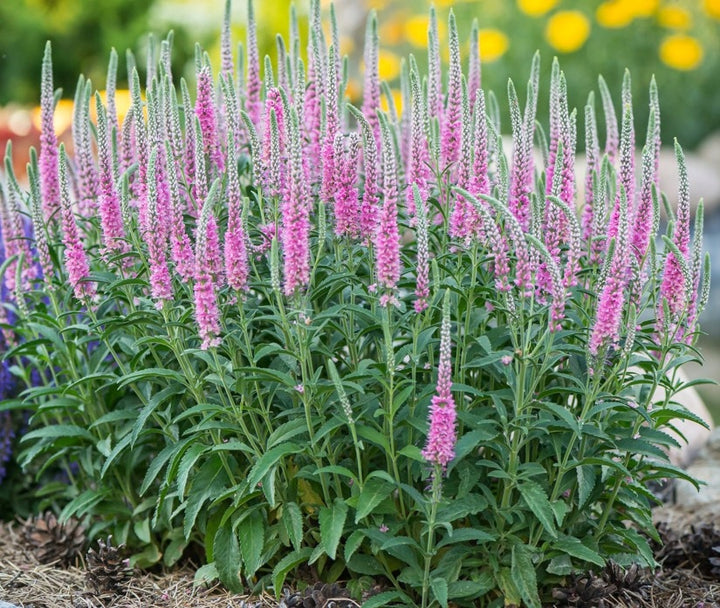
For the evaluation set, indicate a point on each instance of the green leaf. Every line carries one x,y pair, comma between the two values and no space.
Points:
205,575
537,501
152,374
560,565
293,521
83,504
383,599
286,564
57,431
463,535
332,523
574,547
174,551
270,459
156,465
226,551
155,401
373,493
460,508
471,589
117,450
586,483
440,591
251,534
523,572
353,543
190,457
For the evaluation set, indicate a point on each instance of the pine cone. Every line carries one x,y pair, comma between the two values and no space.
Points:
52,541
320,595
585,590
630,579
108,573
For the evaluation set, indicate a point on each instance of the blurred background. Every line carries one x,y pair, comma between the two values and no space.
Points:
677,41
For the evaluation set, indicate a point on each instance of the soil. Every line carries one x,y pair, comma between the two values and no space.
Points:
28,584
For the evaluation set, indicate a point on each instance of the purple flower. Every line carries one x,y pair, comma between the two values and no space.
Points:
332,128
371,193
440,445
86,172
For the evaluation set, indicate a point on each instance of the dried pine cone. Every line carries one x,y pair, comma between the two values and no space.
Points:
54,542
108,573
585,590
320,595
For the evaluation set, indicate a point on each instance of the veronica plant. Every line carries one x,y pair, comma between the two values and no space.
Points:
285,331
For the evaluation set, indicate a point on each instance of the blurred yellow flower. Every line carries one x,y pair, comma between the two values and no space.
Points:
681,52
675,17
493,44
567,31
392,32
388,65
712,8
615,13
535,8
416,30
644,8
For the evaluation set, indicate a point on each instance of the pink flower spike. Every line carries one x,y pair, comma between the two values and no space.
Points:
387,237
110,217
452,118
371,88
75,257
236,255
49,178
371,194
606,330
207,313
160,282
422,285
295,234
347,204
440,445
205,111
253,86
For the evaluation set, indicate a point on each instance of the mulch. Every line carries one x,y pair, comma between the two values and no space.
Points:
29,584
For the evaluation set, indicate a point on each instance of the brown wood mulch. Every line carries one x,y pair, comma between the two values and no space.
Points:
29,584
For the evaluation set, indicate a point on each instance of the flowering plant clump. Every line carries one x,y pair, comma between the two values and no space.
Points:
284,330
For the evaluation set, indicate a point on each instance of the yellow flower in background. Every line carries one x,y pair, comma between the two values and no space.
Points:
392,32
535,8
388,65
712,8
493,44
681,52
675,17
416,30
644,8
615,14
567,31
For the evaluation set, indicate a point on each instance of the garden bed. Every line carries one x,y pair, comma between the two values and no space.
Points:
28,584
